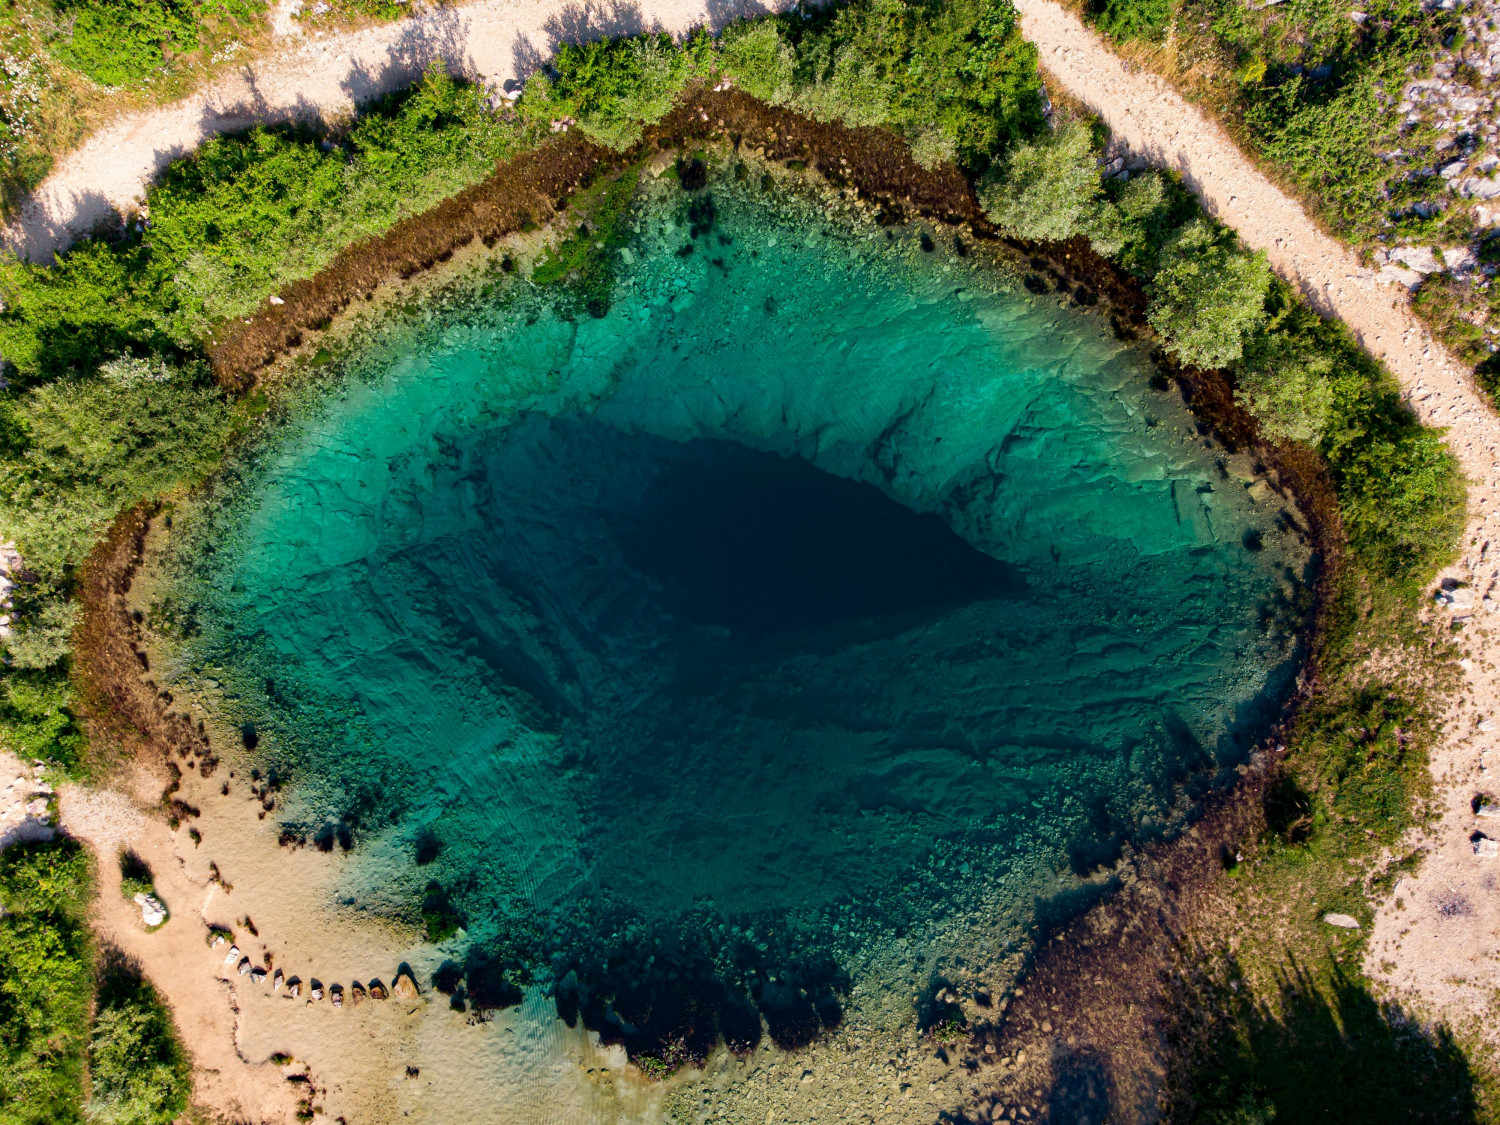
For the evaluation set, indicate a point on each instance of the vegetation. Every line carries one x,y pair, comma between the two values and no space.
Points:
138,1070
1208,295
46,982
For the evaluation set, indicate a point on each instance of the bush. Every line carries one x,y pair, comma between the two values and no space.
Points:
116,42
759,59
1285,387
1123,20
1137,217
1208,295
613,87
139,1070
37,720
46,980
954,77
1046,190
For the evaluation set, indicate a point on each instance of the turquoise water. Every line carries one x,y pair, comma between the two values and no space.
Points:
790,606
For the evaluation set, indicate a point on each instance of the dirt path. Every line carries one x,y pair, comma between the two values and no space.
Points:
324,77
1438,937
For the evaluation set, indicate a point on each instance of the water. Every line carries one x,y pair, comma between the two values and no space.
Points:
824,598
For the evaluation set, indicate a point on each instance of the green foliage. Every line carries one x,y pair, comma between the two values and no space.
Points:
953,76
122,42
46,980
760,60
1208,295
1137,218
139,1071
1046,190
37,719
82,450
116,42
1123,20
612,87
1284,385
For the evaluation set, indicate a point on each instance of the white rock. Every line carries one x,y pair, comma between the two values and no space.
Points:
1342,921
1476,188
233,955
1486,848
1448,171
1398,275
1419,258
245,966
277,301
1459,259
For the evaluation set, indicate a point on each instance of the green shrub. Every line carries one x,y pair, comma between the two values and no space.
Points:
1285,386
1123,20
1046,190
612,87
139,1071
37,719
953,76
46,980
1137,217
1208,295
759,59
83,450
117,42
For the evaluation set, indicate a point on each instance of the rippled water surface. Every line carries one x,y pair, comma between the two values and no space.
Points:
775,640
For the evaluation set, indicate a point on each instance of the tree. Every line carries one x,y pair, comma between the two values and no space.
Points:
1208,295
1048,189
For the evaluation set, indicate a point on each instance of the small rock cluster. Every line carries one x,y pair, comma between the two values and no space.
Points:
403,987
153,912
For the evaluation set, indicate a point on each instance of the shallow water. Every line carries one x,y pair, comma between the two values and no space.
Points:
797,629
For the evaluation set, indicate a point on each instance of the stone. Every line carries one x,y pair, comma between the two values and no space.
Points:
153,912
317,992
1451,171
377,990
1476,188
1419,258
245,967
257,975
1260,491
404,988
336,995
1459,259
1342,921
233,955
1398,275
1486,848
277,981
356,994
294,989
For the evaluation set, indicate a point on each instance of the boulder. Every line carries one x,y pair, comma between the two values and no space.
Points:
1419,258
1459,259
294,988
356,994
1486,848
336,995
257,975
245,967
316,992
404,987
1342,921
277,981
377,991
1399,275
233,955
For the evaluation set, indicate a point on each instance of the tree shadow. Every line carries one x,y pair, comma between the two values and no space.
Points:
1322,1048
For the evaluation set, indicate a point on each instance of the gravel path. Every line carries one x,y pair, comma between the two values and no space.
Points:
323,76
1440,943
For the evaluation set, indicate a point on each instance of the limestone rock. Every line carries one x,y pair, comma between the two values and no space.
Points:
1419,258
336,995
356,994
233,955
317,991
257,975
1486,848
377,990
294,988
277,981
245,967
1342,921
